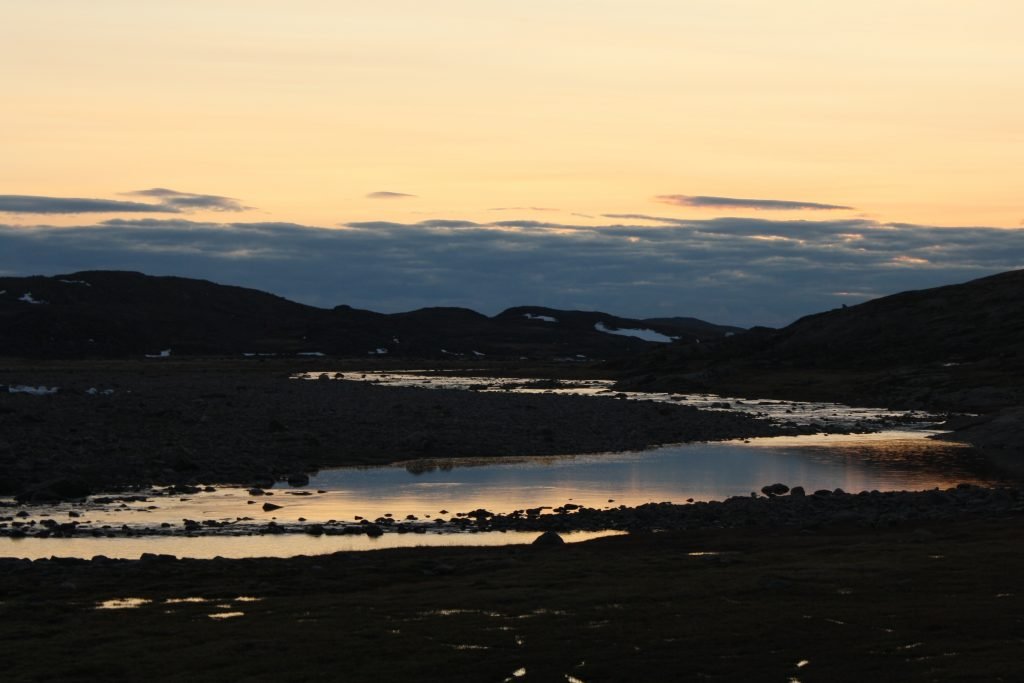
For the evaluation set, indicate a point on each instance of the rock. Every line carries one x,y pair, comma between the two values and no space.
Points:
55,490
775,490
267,507
298,479
797,492
549,538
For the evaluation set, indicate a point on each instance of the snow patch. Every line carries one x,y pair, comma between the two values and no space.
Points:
27,298
166,353
309,353
76,282
646,335
478,354
35,391
377,352
93,391
545,318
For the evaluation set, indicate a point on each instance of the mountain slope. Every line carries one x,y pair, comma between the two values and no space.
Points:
955,345
116,314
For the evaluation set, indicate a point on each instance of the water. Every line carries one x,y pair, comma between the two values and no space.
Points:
234,547
821,414
438,489
426,491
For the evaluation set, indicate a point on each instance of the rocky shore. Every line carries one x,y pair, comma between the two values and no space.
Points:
69,430
776,507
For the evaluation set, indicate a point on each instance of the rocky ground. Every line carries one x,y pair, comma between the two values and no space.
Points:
165,422
788,585
918,601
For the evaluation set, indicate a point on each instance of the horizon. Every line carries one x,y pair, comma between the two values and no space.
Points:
746,164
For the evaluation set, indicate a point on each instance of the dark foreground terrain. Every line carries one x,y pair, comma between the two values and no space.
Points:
917,602
194,421
821,587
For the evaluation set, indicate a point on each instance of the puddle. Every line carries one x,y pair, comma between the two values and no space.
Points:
123,603
798,412
283,545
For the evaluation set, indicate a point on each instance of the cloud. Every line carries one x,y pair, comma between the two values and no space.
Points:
522,208
733,270
168,201
188,201
388,195
705,201
15,203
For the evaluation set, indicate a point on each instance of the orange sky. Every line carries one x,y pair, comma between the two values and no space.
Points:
908,111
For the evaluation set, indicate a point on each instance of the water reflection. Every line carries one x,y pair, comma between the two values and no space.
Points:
424,493
237,547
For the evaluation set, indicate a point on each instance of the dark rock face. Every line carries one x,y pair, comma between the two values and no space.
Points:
775,490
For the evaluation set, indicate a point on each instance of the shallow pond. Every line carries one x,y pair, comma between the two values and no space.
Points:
425,492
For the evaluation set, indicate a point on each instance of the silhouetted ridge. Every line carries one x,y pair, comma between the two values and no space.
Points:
120,313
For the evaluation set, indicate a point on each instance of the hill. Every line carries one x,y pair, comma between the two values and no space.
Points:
109,314
956,346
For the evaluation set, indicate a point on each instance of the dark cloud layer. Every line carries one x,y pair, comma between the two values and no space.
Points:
731,270
17,203
705,201
168,201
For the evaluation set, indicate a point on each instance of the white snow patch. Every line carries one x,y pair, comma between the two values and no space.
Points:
545,318
93,391
166,353
309,353
35,391
253,355
27,298
478,354
377,352
76,282
395,339
646,335
451,353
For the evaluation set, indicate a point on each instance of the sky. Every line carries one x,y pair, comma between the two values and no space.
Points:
743,161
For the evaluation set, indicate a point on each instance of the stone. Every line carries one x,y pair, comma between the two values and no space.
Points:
298,479
549,538
775,490
267,507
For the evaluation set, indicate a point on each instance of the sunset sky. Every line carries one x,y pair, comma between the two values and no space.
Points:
744,161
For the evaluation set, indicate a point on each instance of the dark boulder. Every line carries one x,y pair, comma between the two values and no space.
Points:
549,538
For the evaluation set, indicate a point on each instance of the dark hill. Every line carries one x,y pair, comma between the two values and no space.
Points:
955,345
118,314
